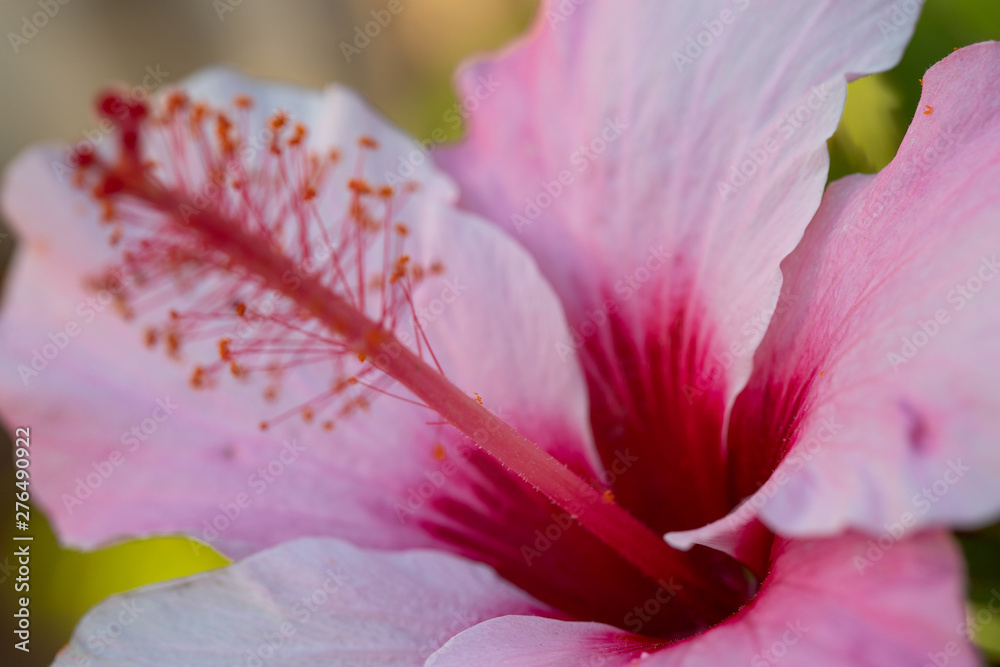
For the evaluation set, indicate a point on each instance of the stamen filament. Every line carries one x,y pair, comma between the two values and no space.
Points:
704,588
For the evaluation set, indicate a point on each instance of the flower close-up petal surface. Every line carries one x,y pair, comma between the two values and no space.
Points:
615,377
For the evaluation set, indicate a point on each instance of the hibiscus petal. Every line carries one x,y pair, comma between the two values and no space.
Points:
611,141
816,608
308,602
881,374
111,463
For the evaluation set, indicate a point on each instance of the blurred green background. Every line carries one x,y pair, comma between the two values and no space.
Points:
47,88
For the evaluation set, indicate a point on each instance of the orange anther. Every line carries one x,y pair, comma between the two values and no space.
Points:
307,414
386,191
243,102
608,497
929,109
277,121
359,186
438,452
241,308
367,142
176,100
224,352
300,133
198,113
173,344
362,356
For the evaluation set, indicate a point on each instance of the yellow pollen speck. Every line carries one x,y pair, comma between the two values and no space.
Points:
479,399
929,108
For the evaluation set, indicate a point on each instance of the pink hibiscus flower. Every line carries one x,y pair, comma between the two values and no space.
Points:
437,441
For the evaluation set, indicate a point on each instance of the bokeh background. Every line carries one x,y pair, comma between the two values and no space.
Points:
48,84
